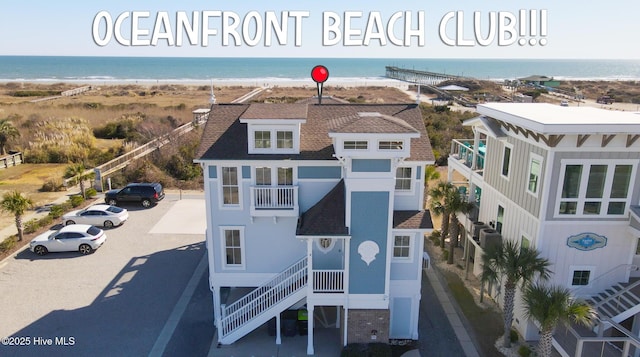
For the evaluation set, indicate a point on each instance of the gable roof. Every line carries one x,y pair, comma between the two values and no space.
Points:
327,217
225,138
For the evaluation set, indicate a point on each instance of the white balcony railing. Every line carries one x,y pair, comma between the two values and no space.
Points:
328,281
268,200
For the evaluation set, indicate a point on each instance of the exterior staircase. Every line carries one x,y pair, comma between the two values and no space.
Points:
617,303
263,303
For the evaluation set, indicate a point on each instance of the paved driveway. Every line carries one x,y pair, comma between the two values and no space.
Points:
115,302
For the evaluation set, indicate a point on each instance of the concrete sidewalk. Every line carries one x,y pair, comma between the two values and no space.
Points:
452,315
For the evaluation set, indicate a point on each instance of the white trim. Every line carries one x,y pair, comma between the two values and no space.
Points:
574,268
584,180
221,204
223,249
506,145
412,246
540,159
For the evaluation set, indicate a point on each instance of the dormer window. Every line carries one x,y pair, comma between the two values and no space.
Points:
285,139
356,145
262,139
391,145
273,139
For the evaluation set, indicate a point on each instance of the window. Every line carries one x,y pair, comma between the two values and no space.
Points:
402,247
262,140
580,277
390,145
230,194
233,244
355,145
535,165
284,139
638,247
595,189
263,176
403,179
500,219
506,161
285,176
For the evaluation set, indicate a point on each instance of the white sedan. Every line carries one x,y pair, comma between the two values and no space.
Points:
99,215
83,238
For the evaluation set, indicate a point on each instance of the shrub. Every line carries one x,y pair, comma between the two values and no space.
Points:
445,254
513,336
45,221
58,210
52,185
90,192
76,200
8,243
31,225
524,351
435,237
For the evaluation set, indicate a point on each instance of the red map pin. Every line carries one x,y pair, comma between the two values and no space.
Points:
319,74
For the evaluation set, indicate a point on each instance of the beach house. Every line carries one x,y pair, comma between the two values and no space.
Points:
564,180
314,206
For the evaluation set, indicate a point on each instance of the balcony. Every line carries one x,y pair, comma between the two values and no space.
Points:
274,201
328,281
465,155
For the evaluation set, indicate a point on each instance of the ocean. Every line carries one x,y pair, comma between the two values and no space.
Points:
177,69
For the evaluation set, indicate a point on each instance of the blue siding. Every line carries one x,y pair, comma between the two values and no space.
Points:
246,172
369,222
370,165
319,172
401,318
213,172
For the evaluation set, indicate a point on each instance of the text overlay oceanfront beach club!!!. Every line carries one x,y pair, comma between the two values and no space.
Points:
350,28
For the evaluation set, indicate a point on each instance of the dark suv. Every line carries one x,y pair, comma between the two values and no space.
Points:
144,193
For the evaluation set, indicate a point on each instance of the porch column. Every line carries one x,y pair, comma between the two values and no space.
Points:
217,310
635,328
278,339
310,329
476,145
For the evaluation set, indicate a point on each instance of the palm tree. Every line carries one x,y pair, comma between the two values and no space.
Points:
510,264
15,203
77,171
440,197
7,131
551,305
457,203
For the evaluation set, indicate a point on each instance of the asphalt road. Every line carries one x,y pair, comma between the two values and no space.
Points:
117,301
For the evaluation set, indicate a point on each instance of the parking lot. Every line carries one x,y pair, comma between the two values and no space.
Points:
128,298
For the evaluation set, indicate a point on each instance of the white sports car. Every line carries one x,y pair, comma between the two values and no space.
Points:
99,215
83,238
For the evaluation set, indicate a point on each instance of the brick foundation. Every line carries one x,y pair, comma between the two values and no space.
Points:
363,323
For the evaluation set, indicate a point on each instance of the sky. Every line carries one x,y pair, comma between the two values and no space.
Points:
325,29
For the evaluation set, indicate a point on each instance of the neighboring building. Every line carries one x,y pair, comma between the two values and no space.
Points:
564,180
540,81
316,205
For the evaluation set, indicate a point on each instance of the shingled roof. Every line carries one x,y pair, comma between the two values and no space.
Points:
225,137
327,217
412,220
